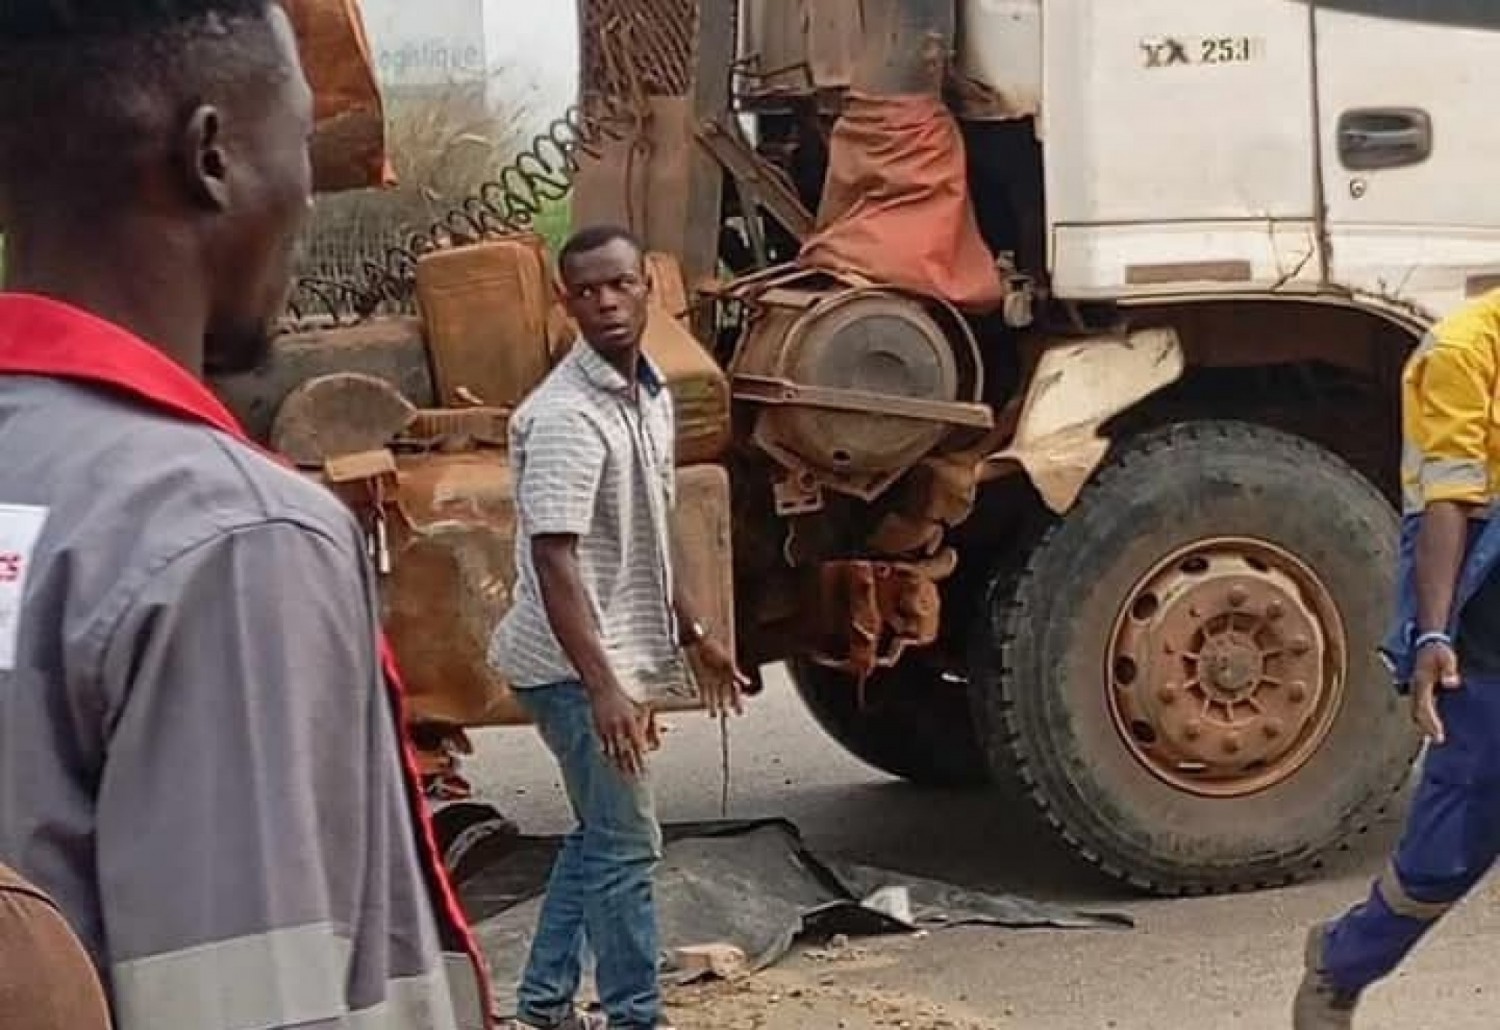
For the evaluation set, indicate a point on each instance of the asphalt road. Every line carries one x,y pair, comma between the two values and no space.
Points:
1204,964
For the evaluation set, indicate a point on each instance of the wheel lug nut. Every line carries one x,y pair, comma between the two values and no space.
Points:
1300,645
1274,610
1297,692
1238,596
1232,744
1167,695
1193,730
1272,729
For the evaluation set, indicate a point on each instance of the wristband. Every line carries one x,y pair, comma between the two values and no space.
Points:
1435,637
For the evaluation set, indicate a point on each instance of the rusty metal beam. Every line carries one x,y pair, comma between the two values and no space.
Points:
756,177
659,181
768,390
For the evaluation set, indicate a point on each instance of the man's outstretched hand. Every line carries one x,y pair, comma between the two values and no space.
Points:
725,690
1436,669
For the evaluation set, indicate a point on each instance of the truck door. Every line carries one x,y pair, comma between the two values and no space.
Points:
1410,147
1179,142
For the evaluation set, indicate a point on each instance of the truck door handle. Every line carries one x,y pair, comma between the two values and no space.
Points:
1371,139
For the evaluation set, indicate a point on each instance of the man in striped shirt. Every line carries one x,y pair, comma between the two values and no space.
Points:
596,629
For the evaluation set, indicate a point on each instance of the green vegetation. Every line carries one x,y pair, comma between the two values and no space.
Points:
554,223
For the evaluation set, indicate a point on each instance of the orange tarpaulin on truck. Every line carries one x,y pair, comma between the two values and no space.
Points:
896,205
349,144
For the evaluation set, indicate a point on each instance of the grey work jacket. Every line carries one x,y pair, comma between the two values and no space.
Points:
198,760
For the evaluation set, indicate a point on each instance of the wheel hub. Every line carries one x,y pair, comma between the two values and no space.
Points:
1230,664
1227,667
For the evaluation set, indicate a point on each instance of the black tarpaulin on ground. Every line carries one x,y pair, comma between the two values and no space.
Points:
753,885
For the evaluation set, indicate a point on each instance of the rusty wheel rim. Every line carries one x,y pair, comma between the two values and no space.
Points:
1227,667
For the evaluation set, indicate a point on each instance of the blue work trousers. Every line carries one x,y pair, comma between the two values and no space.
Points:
600,893
1451,840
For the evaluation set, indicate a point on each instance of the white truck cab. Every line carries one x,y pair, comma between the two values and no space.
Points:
1317,148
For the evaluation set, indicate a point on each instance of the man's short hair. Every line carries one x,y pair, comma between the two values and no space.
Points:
84,84
595,237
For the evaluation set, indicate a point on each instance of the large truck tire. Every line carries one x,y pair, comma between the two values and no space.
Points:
1183,677
913,724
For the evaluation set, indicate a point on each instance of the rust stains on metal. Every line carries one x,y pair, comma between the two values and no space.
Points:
871,612
452,534
898,166
937,495
339,414
699,387
332,416
760,182
390,348
453,429
1227,667
655,37
1077,387
1174,273
974,100
813,332
777,392
814,47
485,308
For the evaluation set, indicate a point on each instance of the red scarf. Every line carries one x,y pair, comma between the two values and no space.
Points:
43,337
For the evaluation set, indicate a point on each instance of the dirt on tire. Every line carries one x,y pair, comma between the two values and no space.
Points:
1039,680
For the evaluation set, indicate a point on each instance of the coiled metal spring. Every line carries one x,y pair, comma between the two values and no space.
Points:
543,174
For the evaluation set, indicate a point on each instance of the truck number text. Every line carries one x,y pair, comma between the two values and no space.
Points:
1168,52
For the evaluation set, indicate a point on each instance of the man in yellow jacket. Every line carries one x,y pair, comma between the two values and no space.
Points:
1445,654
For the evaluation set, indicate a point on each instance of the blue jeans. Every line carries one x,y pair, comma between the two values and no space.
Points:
601,886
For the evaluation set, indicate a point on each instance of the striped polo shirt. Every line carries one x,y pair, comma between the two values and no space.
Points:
593,458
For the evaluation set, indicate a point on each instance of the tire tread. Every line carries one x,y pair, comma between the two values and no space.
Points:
1012,762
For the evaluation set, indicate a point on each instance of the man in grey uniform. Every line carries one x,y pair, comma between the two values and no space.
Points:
199,757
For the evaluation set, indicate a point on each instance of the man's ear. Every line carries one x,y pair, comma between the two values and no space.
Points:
201,158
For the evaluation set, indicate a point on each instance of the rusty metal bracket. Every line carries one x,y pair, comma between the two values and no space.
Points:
755,177
1076,387
461,427
871,613
369,483
771,391
364,467
798,493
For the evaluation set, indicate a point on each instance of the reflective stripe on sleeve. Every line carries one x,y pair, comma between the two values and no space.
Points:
274,979
416,1003
1454,474
1403,904
283,978
469,1009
